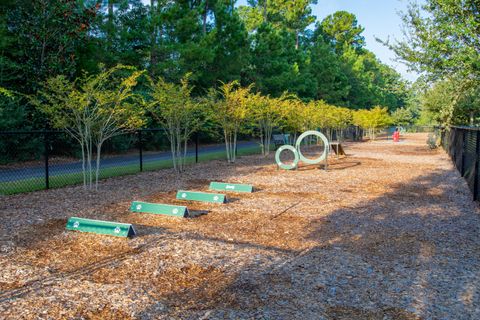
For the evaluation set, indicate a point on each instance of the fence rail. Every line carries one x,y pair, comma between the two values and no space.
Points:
463,146
43,159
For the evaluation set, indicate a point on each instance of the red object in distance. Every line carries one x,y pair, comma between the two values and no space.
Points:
396,136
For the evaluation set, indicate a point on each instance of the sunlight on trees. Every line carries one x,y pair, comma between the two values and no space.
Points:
177,112
93,109
230,107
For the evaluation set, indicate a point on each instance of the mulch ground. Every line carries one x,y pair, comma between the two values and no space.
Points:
388,232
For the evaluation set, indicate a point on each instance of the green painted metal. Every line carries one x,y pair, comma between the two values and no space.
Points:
236,187
101,227
282,165
325,151
201,196
158,208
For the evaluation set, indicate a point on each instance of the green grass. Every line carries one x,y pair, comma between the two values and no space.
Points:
58,181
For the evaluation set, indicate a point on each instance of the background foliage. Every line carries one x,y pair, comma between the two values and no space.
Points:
300,64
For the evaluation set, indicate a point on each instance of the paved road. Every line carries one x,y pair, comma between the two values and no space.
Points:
76,167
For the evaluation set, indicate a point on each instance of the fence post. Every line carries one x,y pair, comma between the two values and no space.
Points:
196,147
462,163
476,173
46,154
140,149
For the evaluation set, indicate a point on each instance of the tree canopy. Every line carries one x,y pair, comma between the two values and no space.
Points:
443,43
279,45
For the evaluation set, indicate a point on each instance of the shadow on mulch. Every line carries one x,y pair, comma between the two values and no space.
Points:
400,229
380,232
349,313
342,165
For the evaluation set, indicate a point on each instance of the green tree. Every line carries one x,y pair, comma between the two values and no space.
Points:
173,107
327,68
265,114
48,33
93,109
443,41
372,120
402,117
229,46
447,105
295,16
230,105
443,38
342,29
278,67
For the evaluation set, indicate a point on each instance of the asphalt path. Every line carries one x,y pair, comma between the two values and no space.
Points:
37,171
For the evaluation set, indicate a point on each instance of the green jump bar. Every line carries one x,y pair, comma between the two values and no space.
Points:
201,196
236,187
101,227
157,208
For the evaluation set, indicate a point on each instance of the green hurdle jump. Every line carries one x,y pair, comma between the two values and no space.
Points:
201,196
236,187
157,208
101,227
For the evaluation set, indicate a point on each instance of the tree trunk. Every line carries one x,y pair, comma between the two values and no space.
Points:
234,149
179,152
44,40
89,162
110,23
153,38
225,134
296,39
185,146
97,168
268,135
262,140
82,144
172,149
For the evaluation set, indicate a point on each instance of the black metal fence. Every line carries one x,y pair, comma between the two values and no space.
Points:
43,159
463,146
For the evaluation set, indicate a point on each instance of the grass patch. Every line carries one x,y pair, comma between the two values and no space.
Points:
62,180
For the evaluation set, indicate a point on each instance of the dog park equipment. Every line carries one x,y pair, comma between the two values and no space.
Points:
325,143
101,227
285,166
298,153
158,208
280,139
201,196
337,148
236,187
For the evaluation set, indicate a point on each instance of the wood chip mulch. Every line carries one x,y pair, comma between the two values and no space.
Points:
388,232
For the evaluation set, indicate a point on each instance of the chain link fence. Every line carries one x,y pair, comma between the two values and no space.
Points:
463,146
43,159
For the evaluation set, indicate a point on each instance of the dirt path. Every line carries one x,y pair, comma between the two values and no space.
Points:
389,232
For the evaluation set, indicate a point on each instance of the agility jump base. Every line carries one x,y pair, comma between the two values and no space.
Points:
201,196
158,208
110,228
